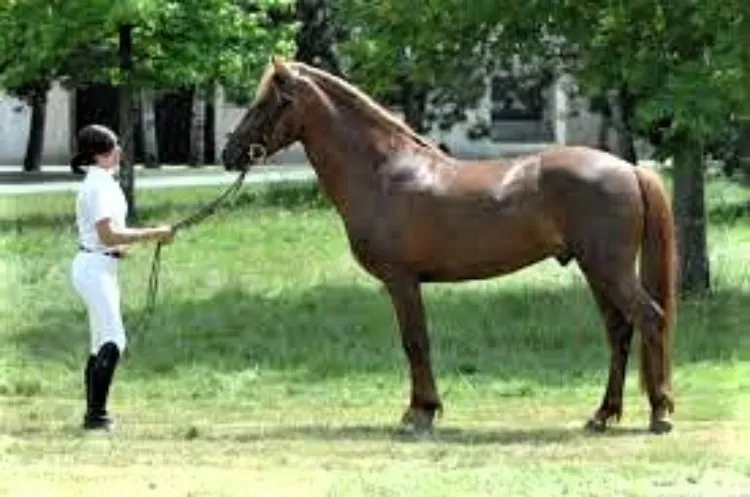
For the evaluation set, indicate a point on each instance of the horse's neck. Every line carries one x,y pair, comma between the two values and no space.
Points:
345,152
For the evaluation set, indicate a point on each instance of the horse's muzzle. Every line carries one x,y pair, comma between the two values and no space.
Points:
238,159
235,158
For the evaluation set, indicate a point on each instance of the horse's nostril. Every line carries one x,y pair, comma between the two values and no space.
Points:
256,152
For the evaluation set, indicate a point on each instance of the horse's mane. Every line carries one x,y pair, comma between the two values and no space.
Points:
264,84
361,101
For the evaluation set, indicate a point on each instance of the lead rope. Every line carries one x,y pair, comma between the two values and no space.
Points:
256,151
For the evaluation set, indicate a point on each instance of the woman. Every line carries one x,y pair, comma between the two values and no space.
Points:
103,237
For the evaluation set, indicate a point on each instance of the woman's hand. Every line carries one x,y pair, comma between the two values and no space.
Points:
165,234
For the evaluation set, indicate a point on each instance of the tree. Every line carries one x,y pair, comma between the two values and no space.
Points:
316,37
419,55
126,120
170,43
35,95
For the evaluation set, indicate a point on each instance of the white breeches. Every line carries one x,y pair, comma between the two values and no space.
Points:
94,277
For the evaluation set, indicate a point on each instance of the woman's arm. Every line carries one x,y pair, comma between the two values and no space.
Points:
126,236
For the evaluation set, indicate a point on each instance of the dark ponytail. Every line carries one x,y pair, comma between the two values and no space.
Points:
81,159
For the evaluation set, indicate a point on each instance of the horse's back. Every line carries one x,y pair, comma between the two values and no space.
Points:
585,164
559,175
578,162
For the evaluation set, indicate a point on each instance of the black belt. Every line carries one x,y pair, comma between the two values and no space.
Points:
110,253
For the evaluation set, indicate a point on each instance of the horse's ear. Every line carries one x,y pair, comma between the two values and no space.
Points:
283,77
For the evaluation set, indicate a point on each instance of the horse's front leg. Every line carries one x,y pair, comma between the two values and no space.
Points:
407,302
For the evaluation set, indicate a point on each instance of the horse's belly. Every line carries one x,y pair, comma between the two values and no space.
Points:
462,264
443,239
471,251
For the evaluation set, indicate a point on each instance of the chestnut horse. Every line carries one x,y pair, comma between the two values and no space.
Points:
413,214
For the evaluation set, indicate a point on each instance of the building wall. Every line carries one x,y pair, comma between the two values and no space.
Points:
498,144
14,129
58,127
15,119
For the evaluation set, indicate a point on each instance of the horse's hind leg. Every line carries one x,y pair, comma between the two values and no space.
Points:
620,334
653,367
625,292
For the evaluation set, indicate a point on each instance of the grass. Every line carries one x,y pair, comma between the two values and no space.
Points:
272,366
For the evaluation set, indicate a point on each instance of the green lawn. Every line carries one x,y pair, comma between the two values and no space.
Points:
272,366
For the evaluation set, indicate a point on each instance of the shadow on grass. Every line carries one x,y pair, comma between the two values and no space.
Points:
530,338
444,436
729,213
528,437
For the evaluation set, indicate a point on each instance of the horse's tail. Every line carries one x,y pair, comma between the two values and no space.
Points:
658,265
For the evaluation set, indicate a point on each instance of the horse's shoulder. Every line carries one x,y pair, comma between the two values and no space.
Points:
522,171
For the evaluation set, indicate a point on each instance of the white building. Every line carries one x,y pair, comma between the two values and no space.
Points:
15,120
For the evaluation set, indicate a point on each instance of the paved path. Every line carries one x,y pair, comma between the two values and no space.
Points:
172,179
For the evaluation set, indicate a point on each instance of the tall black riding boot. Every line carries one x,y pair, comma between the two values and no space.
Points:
101,378
87,379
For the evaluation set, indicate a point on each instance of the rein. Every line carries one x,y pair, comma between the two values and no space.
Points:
255,152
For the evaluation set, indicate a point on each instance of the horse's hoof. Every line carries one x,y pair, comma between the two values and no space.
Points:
659,426
416,422
596,425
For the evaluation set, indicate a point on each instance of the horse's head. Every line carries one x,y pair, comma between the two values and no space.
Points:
271,122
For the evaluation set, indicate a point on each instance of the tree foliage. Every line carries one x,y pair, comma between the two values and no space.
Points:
138,44
176,43
417,49
680,60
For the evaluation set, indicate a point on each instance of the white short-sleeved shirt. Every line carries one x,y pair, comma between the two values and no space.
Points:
99,197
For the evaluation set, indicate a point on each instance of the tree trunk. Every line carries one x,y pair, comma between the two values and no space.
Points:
34,147
148,117
197,131
623,115
414,104
316,38
744,45
126,118
744,144
743,147
605,125
690,215
209,126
